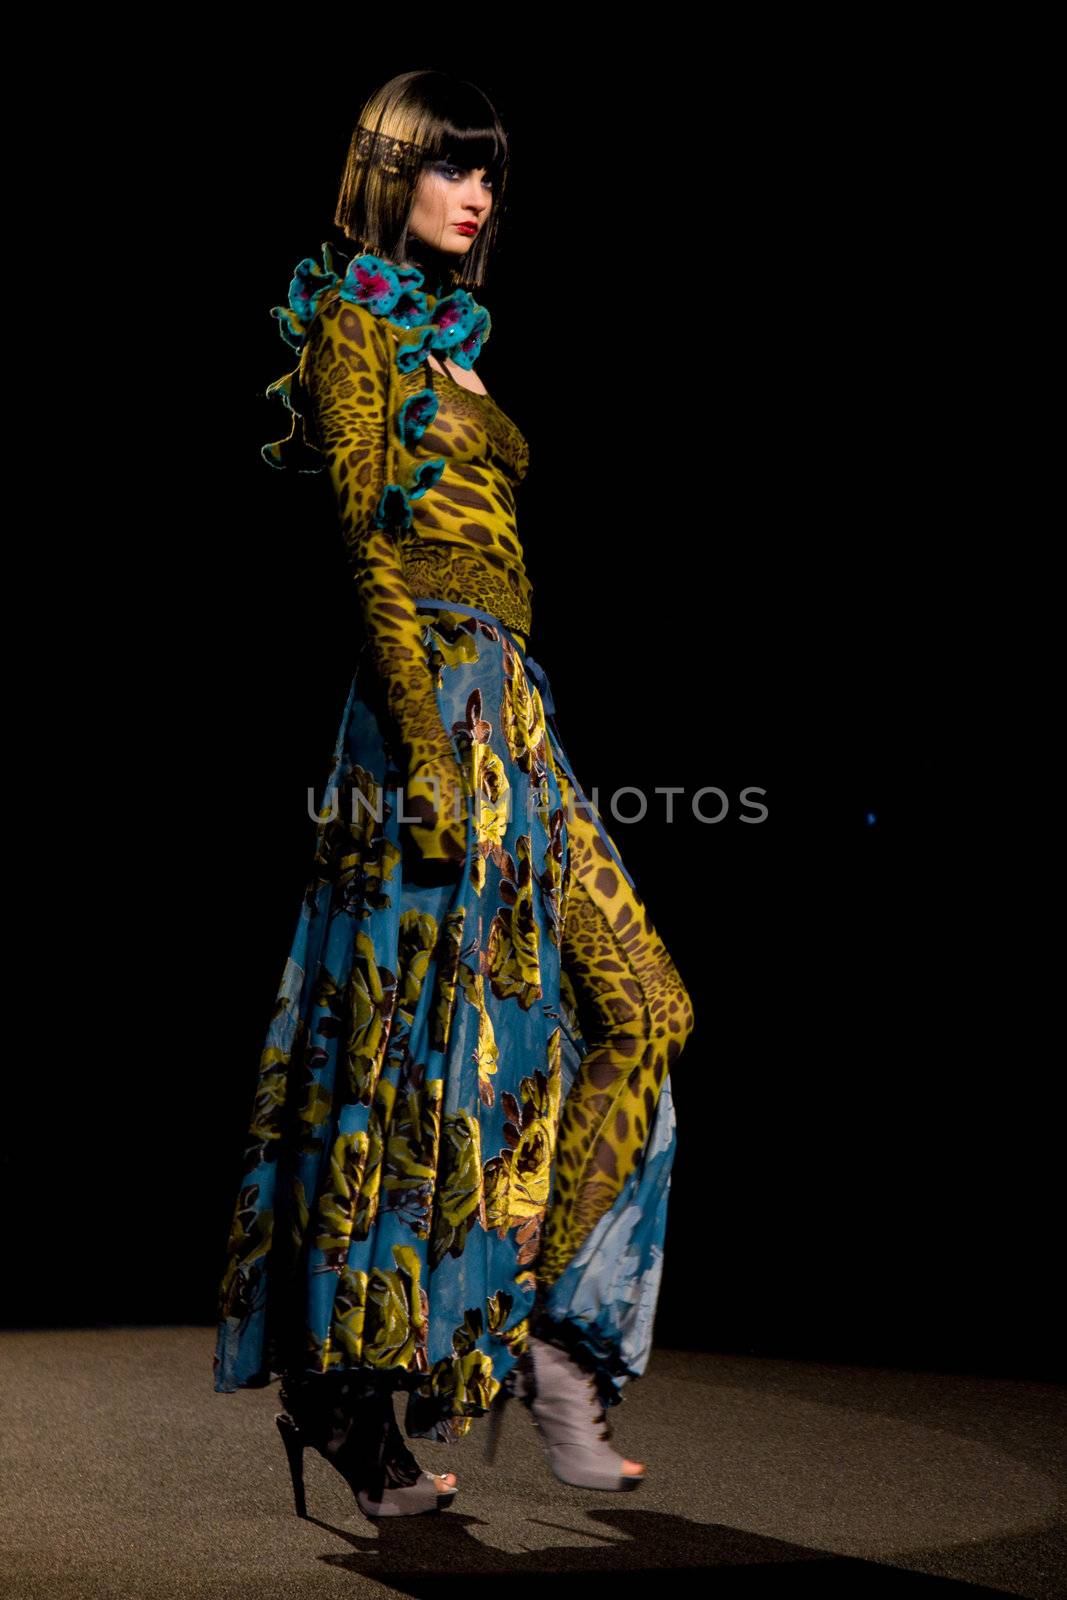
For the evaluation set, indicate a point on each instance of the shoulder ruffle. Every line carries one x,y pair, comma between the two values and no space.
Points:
454,325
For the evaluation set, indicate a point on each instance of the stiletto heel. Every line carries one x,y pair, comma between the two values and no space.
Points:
495,1424
294,1450
568,1414
516,1385
376,1475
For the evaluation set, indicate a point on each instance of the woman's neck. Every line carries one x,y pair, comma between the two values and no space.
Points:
436,267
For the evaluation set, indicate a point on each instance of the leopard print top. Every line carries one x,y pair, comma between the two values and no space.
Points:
424,472
463,544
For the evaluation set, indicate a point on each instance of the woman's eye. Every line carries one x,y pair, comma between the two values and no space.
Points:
447,167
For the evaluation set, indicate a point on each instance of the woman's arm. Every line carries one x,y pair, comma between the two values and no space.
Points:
346,374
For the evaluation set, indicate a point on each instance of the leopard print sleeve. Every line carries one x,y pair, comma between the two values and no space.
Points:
346,374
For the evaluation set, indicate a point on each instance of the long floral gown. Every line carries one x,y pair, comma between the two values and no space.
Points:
462,1128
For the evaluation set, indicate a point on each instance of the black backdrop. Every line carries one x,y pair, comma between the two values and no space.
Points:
724,318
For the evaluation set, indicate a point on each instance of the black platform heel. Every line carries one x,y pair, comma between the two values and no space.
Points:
378,1467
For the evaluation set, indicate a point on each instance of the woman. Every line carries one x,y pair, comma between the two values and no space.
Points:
458,1164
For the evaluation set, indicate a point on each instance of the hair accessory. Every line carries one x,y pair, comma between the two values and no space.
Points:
392,155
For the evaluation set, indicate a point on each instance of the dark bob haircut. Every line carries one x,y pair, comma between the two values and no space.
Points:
416,120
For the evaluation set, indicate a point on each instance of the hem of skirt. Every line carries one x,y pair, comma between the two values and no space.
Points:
433,1417
389,1377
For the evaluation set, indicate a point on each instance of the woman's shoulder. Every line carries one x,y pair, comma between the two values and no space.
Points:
382,309
334,312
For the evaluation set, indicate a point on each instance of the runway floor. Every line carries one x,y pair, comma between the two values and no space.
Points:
126,1476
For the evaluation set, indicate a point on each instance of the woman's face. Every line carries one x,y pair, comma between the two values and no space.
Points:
447,195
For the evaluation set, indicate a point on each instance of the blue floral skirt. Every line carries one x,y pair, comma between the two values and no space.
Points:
400,1159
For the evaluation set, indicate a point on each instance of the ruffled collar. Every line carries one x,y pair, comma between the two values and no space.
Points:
454,324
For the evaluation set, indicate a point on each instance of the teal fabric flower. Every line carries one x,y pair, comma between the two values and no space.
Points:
394,507
454,325
461,327
386,289
305,290
415,416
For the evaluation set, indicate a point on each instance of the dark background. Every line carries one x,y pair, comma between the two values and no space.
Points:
730,316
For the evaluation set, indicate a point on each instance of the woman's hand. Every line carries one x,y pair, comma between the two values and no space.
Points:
435,792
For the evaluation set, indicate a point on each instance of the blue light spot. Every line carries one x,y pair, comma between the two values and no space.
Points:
870,819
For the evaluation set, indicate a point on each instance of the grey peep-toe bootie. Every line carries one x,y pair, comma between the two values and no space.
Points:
566,1408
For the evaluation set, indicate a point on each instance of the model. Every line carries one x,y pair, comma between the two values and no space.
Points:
458,1164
